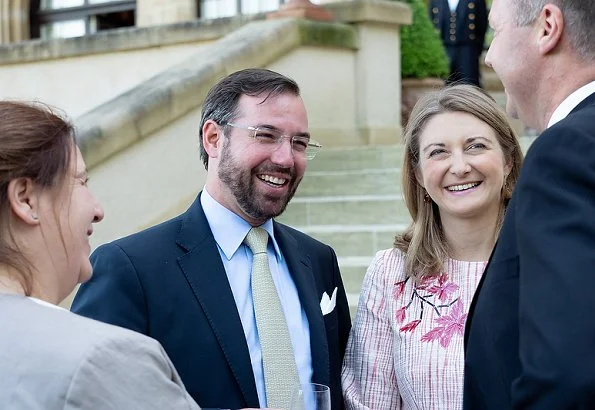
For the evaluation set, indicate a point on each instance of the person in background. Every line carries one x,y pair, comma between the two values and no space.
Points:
224,286
50,358
461,161
530,339
462,25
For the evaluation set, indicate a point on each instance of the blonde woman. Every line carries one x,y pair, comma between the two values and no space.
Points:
405,351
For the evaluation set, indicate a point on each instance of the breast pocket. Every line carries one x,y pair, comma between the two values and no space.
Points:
330,321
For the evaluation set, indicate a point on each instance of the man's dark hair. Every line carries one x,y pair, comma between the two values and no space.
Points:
221,104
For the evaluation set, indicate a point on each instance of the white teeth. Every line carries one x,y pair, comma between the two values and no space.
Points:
462,187
272,179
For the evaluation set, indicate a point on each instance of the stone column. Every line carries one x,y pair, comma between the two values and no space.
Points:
378,65
14,21
160,12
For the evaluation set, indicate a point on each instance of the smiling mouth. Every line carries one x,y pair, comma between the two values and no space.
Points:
271,180
462,187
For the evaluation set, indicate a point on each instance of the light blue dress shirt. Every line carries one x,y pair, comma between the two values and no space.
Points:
229,231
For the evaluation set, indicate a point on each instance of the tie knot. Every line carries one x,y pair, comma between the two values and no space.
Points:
257,240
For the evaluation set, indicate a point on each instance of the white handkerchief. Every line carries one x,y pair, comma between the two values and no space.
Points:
327,305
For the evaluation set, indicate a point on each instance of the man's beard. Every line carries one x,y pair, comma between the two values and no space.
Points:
241,184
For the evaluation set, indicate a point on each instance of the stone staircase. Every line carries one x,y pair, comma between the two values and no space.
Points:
350,198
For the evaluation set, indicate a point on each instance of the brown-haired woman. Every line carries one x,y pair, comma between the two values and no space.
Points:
461,161
51,358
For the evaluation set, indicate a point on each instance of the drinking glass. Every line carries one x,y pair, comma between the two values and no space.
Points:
312,396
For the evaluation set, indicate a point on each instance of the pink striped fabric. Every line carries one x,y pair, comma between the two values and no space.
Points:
405,350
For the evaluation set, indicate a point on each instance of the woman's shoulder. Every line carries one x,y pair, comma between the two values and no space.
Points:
389,263
56,327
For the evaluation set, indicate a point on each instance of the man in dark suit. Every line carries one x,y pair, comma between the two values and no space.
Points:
462,25
193,282
530,337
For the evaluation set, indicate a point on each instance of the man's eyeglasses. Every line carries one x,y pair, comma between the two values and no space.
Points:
300,144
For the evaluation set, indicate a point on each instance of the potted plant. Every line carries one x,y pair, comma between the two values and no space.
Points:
424,63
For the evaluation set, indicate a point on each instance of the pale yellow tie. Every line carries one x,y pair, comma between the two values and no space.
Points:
280,371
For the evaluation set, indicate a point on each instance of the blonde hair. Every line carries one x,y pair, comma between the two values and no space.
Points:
423,241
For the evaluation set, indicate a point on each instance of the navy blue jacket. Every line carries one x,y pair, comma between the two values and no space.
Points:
530,335
168,282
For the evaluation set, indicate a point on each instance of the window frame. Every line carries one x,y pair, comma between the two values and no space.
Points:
40,16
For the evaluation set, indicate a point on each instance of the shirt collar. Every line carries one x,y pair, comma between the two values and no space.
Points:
44,303
571,102
229,229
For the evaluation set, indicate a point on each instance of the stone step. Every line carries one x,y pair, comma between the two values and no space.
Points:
357,158
346,210
355,240
351,182
353,270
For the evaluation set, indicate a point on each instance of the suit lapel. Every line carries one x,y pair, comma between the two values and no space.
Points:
300,269
206,276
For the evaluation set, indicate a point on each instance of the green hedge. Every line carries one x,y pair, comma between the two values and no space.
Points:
422,52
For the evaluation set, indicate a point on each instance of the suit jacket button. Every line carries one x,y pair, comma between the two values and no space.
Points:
435,21
452,38
472,26
435,10
471,16
471,5
472,36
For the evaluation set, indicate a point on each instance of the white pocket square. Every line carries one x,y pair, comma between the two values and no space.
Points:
327,305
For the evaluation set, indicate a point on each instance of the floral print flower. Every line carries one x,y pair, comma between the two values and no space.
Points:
448,326
438,294
443,288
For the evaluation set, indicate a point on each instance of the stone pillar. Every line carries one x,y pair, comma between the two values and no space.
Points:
14,21
378,65
160,12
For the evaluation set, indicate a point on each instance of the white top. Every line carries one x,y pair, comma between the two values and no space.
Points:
453,4
405,350
571,102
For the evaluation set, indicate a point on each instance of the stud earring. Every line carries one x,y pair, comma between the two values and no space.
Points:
427,198
34,217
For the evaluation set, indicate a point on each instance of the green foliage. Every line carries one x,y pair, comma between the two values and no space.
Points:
422,52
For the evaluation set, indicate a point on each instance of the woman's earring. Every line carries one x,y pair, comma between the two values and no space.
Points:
34,217
427,199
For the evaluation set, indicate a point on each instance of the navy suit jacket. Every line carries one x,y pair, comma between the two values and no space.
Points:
530,335
168,282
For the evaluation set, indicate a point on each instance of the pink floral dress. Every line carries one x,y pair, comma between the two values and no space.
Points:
405,350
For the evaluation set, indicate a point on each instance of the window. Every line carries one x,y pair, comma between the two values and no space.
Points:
211,9
75,18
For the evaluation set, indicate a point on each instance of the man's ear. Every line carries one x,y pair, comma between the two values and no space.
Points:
212,138
23,199
550,24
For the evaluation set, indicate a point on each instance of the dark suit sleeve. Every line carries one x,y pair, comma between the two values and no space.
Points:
114,294
556,242
342,306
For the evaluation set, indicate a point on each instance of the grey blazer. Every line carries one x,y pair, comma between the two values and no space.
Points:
53,359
